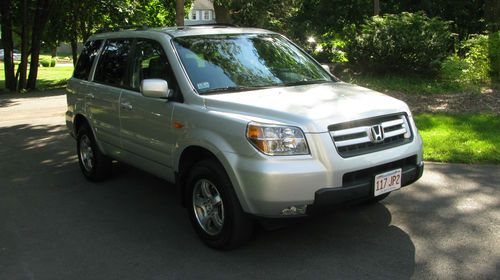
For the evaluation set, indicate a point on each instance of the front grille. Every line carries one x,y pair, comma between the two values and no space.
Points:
356,137
368,174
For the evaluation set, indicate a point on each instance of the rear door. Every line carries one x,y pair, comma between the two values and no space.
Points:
78,84
146,123
109,79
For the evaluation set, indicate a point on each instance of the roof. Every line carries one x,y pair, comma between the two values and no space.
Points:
181,31
208,29
203,5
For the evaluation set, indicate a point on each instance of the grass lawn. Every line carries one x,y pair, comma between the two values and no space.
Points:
460,138
48,77
414,85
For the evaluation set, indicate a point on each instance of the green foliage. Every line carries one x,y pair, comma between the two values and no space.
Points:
494,54
408,84
460,138
321,16
47,62
409,43
330,49
475,65
48,77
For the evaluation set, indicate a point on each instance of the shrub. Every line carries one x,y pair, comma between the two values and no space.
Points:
45,62
494,51
474,65
331,49
406,42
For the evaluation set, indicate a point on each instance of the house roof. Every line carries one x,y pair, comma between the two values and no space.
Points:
203,5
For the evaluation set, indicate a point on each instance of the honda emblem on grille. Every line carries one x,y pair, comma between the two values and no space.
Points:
377,133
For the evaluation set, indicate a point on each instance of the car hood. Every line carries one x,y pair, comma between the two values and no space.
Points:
311,107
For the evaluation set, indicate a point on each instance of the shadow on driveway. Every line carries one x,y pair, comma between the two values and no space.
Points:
56,225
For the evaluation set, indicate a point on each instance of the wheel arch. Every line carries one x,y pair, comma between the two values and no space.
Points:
196,153
80,120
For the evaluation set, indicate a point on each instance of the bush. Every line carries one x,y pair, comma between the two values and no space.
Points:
494,53
45,62
409,43
474,65
48,62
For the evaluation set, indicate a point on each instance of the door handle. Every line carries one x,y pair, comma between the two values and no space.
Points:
127,106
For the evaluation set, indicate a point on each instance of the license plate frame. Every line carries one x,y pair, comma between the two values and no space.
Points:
387,182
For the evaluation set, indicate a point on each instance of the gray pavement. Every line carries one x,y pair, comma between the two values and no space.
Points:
56,225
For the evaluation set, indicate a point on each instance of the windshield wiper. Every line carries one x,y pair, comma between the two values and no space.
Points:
306,82
230,89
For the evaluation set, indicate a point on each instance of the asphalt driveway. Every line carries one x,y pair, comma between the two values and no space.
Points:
56,225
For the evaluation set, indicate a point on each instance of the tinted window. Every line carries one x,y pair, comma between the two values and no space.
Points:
244,61
112,66
86,59
150,62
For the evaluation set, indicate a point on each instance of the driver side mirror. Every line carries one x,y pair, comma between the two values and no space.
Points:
156,88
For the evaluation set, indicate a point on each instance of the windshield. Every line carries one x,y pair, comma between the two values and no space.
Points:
219,63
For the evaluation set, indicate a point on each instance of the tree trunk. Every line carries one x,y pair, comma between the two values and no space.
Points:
492,15
8,45
74,50
222,14
40,20
179,13
376,7
22,68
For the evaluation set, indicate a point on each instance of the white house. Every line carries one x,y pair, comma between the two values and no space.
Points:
202,12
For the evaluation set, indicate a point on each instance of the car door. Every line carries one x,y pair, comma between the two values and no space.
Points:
77,87
103,96
146,123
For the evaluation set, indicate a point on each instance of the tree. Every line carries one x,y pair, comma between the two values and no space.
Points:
23,66
8,45
179,13
376,7
40,20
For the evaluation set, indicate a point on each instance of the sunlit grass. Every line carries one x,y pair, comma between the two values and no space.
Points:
48,77
460,138
414,84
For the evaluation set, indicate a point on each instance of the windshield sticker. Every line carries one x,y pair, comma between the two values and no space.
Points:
203,85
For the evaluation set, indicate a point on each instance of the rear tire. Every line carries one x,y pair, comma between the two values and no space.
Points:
94,164
214,209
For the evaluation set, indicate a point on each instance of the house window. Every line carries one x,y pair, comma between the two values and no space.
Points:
193,15
206,15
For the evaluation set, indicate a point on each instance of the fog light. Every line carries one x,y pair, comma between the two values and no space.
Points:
294,210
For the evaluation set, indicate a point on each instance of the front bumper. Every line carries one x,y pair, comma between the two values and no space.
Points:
268,186
362,189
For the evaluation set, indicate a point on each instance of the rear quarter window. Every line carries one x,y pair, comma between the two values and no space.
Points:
86,59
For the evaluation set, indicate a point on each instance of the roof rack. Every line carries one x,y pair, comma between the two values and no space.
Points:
121,28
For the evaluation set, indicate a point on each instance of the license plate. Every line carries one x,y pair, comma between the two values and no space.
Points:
387,182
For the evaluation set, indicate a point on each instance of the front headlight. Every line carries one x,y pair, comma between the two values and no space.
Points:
277,140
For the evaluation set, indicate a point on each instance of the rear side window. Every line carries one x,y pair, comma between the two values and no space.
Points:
112,66
86,59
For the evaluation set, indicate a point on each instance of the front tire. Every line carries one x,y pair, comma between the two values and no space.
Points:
377,198
214,209
94,164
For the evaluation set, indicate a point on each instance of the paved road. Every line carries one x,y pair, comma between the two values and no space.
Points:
56,225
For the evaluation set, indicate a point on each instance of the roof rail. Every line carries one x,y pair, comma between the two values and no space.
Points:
213,25
121,28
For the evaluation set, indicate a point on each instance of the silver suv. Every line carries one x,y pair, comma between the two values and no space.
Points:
244,122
